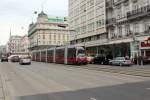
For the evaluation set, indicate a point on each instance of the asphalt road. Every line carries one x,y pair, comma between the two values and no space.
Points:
43,81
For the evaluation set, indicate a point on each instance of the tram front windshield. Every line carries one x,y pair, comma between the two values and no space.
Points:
81,53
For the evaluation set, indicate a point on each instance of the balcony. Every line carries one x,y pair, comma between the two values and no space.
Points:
138,13
117,2
110,22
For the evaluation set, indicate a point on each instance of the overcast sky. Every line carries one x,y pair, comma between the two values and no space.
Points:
18,14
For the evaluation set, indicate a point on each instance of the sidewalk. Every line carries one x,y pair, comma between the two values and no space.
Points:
4,91
1,90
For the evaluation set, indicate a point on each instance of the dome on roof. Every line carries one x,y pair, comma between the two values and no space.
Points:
42,17
42,14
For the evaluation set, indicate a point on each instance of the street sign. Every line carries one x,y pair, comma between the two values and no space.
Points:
145,44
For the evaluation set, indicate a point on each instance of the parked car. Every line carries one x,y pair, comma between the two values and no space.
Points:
121,61
14,59
101,59
4,58
25,60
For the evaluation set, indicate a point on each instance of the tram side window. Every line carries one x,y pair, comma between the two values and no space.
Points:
50,53
71,53
60,53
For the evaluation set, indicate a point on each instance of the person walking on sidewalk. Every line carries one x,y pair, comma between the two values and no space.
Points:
140,60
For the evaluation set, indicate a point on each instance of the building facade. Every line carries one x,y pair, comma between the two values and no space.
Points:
14,44
126,24
2,49
24,44
87,19
48,32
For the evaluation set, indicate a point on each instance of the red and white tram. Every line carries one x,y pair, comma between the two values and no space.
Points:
43,56
38,56
76,55
51,55
61,55
33,56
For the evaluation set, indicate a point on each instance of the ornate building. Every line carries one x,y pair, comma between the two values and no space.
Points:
113,27
48,32
24,44
128,23
13,44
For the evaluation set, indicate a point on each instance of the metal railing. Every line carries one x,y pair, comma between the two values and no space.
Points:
140,12
116,2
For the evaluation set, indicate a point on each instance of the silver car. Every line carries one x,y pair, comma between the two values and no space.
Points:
25,60
121,61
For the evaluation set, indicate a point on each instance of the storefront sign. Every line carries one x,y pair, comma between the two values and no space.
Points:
146,43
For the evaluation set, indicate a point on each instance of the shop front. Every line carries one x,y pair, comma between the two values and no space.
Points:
115,50
99,50
121,50
145,50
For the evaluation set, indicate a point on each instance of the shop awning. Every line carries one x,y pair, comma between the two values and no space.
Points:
121,41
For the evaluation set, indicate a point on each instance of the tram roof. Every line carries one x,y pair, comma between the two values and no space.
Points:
62,47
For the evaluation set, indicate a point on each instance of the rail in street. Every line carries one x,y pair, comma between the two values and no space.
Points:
45,81
143,71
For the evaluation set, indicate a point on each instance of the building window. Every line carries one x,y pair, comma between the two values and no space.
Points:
91,27
135,6
146,26
50,36
119,31
59,37
55,37
98,23
127,29
119,13
43,36
136,28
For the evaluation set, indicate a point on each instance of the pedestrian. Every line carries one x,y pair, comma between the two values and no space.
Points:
140,60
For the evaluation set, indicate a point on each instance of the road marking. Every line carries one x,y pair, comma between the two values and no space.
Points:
147,88
93,99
